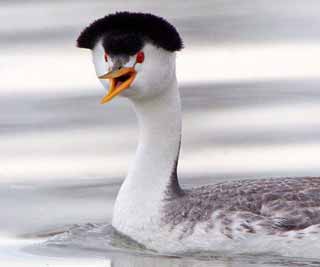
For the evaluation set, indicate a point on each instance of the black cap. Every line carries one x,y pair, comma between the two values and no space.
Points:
126,33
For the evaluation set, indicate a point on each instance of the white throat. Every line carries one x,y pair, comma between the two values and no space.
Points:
153,172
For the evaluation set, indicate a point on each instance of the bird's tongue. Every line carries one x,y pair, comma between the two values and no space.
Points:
118,83
121,79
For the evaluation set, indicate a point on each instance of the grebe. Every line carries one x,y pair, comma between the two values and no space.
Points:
136,52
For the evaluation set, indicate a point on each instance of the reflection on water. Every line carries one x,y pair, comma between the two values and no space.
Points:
217,261
102,241
87,240
132,261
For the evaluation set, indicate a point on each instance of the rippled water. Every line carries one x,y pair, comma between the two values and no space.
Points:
251,111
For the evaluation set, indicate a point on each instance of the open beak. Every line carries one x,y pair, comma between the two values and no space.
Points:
119,80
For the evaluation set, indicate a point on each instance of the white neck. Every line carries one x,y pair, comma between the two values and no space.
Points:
159,141
153,172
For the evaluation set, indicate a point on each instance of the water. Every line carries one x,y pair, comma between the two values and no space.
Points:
252,111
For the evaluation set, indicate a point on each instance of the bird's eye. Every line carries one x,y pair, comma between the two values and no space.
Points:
106,57
140,57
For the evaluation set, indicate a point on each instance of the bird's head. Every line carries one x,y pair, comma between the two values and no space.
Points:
133,53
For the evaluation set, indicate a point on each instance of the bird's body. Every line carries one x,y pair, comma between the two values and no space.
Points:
286,210
151,207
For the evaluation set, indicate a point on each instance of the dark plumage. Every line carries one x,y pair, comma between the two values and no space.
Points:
277,205
126,32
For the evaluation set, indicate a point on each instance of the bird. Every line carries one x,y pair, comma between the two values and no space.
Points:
134,56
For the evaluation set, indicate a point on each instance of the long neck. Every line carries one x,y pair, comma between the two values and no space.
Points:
155,164
152,175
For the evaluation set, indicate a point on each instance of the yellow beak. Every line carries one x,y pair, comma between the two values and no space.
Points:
119,80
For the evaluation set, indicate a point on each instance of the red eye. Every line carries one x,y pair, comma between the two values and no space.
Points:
140,57
106,57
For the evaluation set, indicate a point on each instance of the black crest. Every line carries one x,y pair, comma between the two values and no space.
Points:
126,33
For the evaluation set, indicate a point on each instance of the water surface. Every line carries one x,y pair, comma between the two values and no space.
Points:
249,81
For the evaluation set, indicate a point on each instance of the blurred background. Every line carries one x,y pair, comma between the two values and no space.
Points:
248,77
249,80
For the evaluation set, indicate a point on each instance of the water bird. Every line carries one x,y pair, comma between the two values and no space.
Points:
134,55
